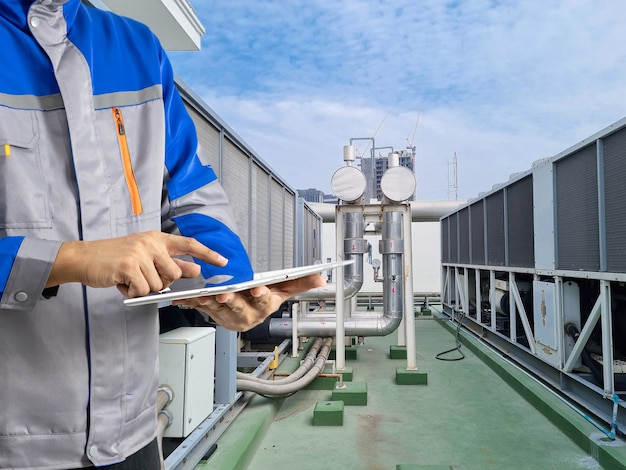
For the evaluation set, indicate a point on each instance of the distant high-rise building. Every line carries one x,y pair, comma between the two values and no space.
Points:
330,199
374,173
311,195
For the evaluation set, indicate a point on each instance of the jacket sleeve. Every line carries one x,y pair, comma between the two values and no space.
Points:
195,204
25,264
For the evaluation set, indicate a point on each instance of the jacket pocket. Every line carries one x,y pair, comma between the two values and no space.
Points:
24,202
127,164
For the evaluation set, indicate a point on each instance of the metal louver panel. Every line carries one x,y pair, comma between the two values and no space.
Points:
464,236
289,229
236,182
520,224
477,217
577,211
495,229
260,219
615,200
445,240
209,140
454,238
277,237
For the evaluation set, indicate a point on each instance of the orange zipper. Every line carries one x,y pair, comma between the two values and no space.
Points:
131,182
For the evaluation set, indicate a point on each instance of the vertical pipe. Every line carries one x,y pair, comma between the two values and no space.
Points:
607,337
512,310
492,298
393,271
340,340
409,316
402,333
478,301
295,344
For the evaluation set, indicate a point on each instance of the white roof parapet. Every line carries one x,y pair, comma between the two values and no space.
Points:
174,21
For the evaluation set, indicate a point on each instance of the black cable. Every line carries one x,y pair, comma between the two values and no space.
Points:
457,341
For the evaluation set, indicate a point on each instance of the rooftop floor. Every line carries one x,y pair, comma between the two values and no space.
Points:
481,412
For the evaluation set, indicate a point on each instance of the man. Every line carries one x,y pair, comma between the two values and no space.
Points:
101,194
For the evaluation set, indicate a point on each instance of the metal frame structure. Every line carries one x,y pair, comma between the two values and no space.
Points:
543,256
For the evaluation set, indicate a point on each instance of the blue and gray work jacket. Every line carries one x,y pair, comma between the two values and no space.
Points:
95,143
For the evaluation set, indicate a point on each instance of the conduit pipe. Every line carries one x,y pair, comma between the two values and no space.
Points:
288,388
391,247
307,363
165,395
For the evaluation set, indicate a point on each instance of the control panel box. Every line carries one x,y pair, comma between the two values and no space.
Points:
187,364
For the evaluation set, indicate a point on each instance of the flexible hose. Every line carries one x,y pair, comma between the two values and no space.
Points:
165,395
305,366
164,419
273,389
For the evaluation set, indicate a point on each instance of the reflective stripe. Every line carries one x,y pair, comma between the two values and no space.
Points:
108,100
131,182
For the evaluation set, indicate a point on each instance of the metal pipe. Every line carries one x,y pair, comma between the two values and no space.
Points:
392,248
339,331
164,419
421,211
288,388
165,395
409,318
307,363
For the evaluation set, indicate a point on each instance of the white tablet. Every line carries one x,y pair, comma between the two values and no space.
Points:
260,279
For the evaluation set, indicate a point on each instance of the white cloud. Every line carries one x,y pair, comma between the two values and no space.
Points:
499,83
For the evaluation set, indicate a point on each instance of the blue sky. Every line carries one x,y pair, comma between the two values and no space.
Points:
499,83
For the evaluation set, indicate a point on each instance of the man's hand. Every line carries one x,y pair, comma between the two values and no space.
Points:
137,264
241,311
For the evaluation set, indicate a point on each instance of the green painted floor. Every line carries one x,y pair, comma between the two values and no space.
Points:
473,414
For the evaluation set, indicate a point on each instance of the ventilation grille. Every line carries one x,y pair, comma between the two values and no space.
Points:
454,241
577,211
464,239
495,229
615,200
477,216
445,240
520,226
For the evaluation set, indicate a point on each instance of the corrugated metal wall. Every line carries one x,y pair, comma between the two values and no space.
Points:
520,223
587,195
577,211
500,225
263,204
614,152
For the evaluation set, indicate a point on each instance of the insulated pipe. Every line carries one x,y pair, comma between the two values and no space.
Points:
354,246
339,330
305,366
165,395
288,388
421,211
164,419
391,248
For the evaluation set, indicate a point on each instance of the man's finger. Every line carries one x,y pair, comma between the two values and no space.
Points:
189,269
178,245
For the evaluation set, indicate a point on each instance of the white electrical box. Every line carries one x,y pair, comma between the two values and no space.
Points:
187,364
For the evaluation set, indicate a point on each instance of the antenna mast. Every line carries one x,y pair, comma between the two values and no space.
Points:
453,183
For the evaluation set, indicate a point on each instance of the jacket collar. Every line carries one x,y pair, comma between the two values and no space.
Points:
16,12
